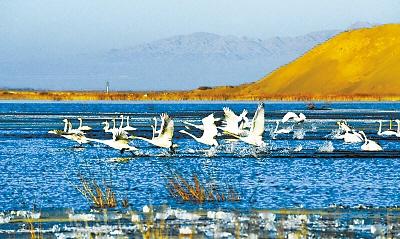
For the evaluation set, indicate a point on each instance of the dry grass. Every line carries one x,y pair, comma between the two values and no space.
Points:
194,191
217,93
98,196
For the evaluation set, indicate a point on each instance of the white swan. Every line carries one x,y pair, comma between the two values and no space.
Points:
386,132
282,131
120,141
369,145
128,127
74,131
209,128
70,134
343,126
107,129
348,134
254,135
165,134
352,137
83,127
231,121
293,116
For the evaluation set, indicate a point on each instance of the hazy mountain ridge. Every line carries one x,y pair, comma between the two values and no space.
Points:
202,44
206,59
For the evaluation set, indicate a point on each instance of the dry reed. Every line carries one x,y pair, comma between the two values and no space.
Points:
99,197
180,188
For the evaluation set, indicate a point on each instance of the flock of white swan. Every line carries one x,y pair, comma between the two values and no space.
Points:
239,127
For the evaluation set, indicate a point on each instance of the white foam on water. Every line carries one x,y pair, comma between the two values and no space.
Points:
327,147
299,134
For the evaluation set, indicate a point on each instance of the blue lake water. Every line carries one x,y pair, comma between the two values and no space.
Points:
40,169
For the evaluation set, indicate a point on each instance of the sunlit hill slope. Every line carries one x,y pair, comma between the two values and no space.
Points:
363,62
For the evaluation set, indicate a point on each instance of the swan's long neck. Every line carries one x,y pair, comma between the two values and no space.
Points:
65,126
122,122
69,126
191,135
80,122
365,137
398,127
127,121
277,125
155,124
154,131
380,127
106,126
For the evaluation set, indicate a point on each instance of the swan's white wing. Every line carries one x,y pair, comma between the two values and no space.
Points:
230,116
288,116
210,131
208,120
167,129
257,124
120,135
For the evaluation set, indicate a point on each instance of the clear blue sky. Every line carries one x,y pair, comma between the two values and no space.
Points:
91,25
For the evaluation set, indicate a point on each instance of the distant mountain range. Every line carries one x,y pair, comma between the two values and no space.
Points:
205,59
175,63
216,47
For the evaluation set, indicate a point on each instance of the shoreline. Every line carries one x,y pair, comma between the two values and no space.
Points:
170,96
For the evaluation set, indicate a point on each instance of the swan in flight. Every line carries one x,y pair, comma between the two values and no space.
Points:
352,136
348,134
369,145
83,127
254,135
120,141
232,122
128,127
282,131
209,128
389,132
165,134
71,134
343,126
293,116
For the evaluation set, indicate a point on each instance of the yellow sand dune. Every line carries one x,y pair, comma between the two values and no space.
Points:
363,62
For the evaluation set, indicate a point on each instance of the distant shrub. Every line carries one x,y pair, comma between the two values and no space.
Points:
204,88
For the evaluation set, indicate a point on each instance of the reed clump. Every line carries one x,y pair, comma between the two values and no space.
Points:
195,191
100,197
